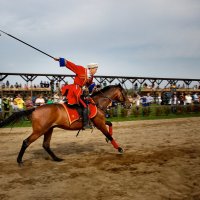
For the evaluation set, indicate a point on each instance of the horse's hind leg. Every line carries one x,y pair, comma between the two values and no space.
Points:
21,153
25,144
46,145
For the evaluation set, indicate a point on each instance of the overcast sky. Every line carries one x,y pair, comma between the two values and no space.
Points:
152,38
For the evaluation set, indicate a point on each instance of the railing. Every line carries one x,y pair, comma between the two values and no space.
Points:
153,111
25,89
169,90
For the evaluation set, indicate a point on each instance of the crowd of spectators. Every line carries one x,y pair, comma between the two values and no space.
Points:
167,98
153,87
10,104
43,84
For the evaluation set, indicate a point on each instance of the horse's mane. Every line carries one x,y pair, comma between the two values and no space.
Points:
106,89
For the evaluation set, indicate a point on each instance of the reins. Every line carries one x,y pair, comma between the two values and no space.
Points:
111,100
105,96
104,110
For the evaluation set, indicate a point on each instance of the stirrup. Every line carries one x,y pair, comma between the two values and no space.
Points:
87,127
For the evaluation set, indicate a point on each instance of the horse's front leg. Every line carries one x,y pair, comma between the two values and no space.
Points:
110,129
100,123
102,127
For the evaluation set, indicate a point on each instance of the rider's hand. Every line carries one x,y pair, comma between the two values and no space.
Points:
56,59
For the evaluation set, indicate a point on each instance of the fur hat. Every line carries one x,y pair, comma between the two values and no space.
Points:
92,65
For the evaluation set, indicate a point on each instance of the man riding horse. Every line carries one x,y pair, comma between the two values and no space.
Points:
84,77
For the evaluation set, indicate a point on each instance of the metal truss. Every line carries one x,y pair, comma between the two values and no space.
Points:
108,80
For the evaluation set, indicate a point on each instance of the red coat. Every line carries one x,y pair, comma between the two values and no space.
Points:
81,79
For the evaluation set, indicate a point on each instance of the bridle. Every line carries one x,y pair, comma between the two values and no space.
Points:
112,100
105,96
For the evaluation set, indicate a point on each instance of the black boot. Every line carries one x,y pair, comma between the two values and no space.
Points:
86,124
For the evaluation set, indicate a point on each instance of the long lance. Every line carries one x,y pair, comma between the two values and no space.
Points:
27,44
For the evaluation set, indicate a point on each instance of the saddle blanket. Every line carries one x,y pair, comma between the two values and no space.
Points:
73,114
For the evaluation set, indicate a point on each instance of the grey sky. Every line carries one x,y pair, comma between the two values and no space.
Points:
156,38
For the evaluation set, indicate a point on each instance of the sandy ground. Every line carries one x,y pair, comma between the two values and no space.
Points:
161,161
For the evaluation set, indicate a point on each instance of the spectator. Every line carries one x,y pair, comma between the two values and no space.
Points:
13,105
195,98
41,84
16,85
182,99
196,101
45,97
6,106
50,100
26,87
136,87
45,84
61,99
39,100
33,99
19,102
174,103
188,99
56,97
29,102
144,101
7,84
145,85
149,99
159,99
137,102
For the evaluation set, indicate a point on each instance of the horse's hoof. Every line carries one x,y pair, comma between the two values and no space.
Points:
107,140
20,164
58,159
120,150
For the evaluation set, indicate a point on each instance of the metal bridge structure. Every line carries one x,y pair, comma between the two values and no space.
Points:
29,77
126,81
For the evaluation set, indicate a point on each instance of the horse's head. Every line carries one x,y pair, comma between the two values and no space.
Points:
111,93
121,96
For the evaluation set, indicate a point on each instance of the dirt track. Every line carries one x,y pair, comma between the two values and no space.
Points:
161,161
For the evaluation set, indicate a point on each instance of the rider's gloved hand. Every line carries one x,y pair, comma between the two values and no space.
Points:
56,59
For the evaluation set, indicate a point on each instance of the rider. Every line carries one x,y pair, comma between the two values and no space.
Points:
84,77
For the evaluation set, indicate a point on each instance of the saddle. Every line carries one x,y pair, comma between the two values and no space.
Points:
74,112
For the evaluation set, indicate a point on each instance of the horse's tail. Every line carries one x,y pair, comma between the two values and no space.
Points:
16,116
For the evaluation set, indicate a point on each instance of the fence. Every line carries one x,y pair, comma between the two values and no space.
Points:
153,111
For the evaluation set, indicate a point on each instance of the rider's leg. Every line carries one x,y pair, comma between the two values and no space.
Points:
86,124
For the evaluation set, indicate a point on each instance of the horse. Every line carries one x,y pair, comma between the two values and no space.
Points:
46,117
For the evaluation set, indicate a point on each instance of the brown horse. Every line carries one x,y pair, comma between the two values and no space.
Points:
46,118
